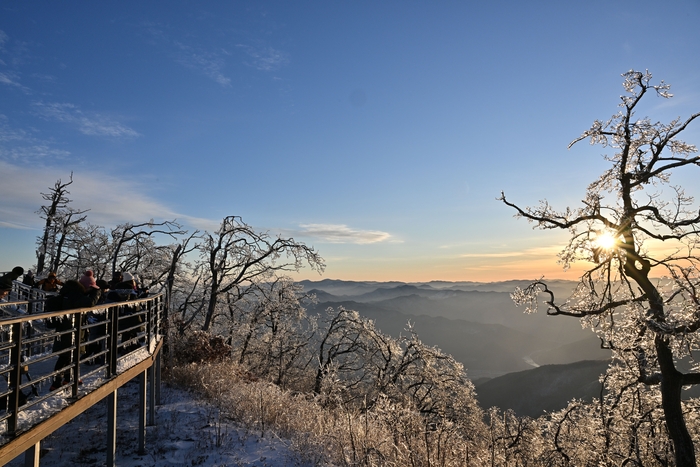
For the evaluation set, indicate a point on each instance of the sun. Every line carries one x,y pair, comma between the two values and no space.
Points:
606,240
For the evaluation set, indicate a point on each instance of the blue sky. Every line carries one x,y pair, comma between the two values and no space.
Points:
379,132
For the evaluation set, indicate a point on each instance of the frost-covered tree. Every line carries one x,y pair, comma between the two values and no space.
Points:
132,247
87,247
236,256
344,352
271,331
640,233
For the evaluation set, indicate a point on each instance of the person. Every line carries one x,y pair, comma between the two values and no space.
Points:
116,279
29,279
7,280
72,295
88,280
99,328
122,292
50,283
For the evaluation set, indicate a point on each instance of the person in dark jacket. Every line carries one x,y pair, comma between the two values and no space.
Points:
29,279
123,292
7,280
99,331
116,279
73,295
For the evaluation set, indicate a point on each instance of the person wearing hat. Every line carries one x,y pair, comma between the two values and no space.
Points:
88,280
50,284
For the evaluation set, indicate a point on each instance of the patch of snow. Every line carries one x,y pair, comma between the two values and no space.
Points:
187,432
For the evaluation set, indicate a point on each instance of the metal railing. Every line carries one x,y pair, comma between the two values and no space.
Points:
98,344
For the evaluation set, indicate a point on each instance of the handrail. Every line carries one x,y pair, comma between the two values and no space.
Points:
120,335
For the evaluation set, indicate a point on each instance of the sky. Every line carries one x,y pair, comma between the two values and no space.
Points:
380,133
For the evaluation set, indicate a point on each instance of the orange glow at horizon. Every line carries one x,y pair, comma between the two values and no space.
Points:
527,264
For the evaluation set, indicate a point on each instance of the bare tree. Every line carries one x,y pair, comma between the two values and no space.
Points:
132,242
177,263
236,256
626,214
59,219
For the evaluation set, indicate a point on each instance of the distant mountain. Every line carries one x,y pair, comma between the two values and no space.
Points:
488,308
352,289
322,296
477,323
347,288
547,388
458,301
544,389
484,349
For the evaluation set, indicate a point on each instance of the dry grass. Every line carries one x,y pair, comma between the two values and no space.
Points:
386,435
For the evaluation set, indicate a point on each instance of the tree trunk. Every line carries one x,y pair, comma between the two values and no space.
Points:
211,308
673,410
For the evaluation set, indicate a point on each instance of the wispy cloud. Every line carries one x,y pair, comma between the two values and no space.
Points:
509,254
340,233
209,57
111,200
8,79
10,134
32,153
12,79
19,145
209,63
43,77
265,58
532,252
89,123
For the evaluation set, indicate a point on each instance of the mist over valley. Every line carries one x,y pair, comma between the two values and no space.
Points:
480,326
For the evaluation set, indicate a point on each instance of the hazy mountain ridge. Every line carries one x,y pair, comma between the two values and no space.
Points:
347,289
479,325
439,309
484,349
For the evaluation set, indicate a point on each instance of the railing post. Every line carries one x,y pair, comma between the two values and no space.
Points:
15,378
151,396
142,412
111,428
157,378
112,341
31,455
149,323
159,315
75,361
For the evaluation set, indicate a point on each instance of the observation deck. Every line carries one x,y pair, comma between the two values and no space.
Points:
109,345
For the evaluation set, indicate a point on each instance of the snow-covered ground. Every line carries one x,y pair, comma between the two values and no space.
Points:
188,432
